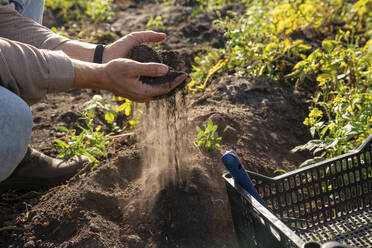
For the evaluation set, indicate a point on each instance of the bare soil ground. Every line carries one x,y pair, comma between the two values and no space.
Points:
260,119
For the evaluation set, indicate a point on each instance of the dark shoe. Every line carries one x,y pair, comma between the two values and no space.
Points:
37,169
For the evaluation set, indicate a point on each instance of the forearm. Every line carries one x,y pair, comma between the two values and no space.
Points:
78,50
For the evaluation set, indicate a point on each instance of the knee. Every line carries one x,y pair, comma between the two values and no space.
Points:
15,131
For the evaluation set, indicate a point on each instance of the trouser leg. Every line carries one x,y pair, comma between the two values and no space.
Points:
15,131
30,8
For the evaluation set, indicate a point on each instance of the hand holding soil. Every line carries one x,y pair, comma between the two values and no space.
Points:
142,77
120,48
145,54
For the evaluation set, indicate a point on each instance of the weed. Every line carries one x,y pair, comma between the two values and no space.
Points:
98,10
280,171
340,112
59,32
209,137
126,107
204,69
91,141
75,10
208,5
97,102
155,23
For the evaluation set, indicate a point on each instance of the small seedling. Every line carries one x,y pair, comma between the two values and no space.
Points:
91,141
75,10
155,23
112,112
209,137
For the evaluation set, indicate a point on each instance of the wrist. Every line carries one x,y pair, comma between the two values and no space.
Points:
106,56
88,75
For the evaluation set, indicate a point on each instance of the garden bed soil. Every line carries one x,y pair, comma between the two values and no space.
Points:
118,204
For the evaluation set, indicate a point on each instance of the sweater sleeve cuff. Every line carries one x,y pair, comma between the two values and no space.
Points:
61,72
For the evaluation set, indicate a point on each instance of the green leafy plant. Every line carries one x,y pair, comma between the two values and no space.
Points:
97,102
254,49
280,171
208,5
205,69
75,10
126,107
91,141
98,10
155,23
208,138
340,112
260,44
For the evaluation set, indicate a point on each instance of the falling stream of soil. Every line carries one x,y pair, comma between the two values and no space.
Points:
166,147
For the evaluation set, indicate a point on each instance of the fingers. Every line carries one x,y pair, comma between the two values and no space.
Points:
147,69
162,89
146,36
124,79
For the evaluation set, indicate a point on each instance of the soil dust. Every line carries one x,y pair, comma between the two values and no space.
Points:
165,148
163,126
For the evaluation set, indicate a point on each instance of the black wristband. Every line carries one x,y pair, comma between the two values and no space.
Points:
98,54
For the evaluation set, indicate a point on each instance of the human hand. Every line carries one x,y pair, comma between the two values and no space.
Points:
122,77
121,47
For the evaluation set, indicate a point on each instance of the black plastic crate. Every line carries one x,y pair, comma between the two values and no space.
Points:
330,200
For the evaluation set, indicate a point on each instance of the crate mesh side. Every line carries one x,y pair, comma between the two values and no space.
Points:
251,229
338,191
354,229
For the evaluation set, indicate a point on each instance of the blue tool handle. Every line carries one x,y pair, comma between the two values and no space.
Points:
232,163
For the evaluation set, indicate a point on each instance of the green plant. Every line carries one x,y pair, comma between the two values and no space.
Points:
99,10
340,112
255,49
59,32
75,10
127,107
155,23
112,112
280,171
259,44
91,141
209,137
208,5
97,102
205,69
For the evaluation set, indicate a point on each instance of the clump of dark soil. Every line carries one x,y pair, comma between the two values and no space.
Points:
174,61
